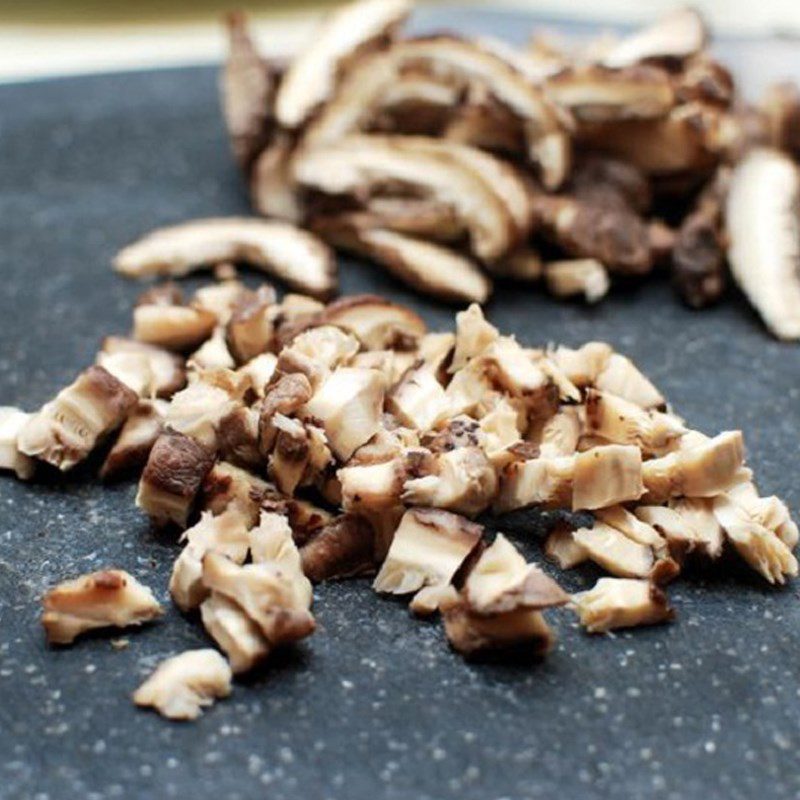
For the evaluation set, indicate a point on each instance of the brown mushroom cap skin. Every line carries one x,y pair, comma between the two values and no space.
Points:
135,441
343,548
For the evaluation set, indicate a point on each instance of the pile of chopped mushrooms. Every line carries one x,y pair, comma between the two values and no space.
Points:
290,442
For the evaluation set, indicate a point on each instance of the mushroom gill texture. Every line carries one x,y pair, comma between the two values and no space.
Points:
621,603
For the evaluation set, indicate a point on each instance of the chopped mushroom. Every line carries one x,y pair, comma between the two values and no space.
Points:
614,551
280,249
273,192
238,636
473,335
182,685
178,328
580,276
345,547
562,548
607,475
418,400
65,430
12,421
621,603
108,599
249,330
167,371
136,439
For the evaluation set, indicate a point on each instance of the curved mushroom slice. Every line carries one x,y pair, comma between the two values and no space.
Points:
167,370
763,228
182,685
621,603
427,550
425,218
177,328
614,551
345,547
758,546
312,76
376,322
12,421
362,164
136,439
585,277
65,430
107,599
278,248
416,104
237,635
359,95
599,94
273,192
247,87
781,107
482,122
676,36
172,478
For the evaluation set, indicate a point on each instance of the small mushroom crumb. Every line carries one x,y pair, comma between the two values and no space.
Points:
621,603
238,636
586,277
614,551
183,685
108,599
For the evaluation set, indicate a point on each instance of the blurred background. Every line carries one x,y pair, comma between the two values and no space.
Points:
42,38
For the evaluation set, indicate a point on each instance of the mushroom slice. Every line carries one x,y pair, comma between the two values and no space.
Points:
177,328
107,599
226,534
764,238
503,581
473,335
523,264
172,478
136,439
605,476
376,322
614,551
427,550
480,121
280,249
361,91
620,421
167,370
362,164
621,603
237,635
247,87
277,600
416,104
562,548
596,93
344,547
273,192
421,218
781,107
348,404
676,36
702,469
312,76
12,421
758,546
463,481
575,277
418,400
182,685
65,430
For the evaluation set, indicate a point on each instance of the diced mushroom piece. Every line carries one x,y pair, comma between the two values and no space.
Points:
249,330
178,328
621,603
167,370
238,438
586,277
634,528
348,404
312,76
376,322
676,36
183,685
226,534
345,547
503,581
226,485
130,368
136,439
605,476
430,599
614,551
222,297
372,486
172,478
428,548
65,430
500,428
562,548
271,541
273,191
359,95
620,376
280,249
537,481
523,264
561,433
12,421
758,546
582,366
680,536
781,106
473,335
623,422
108,599
698,514
463,481
764,238
606,181
259,372
213,353
327,345
289,457
435,351
237,635
596,93
247,88
771,512
277,600
703,469
418,400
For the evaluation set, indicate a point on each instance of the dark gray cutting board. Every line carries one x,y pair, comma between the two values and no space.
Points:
375,705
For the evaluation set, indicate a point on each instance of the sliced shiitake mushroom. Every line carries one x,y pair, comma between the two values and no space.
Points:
376,322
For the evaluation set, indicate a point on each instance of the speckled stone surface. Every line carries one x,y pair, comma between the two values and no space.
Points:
374,705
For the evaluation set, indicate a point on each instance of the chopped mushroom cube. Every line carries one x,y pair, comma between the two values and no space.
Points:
614,551
136,439
580,276
418,400
621,603
562,548
108,599
346,546
237,635
12,421
182,685
605,476
473,335
167,370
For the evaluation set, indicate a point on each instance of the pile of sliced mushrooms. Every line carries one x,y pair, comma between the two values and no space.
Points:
292,441
289,442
